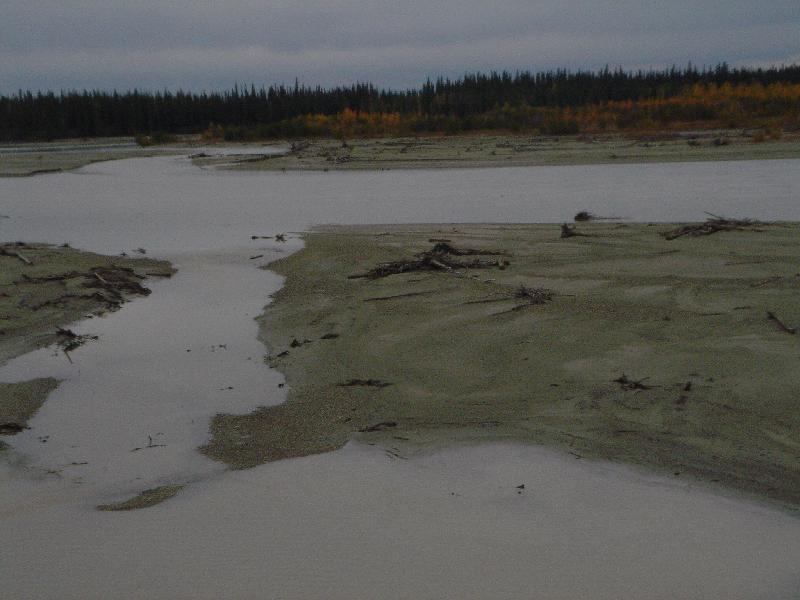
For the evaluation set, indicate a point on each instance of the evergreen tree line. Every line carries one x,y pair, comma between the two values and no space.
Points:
47,115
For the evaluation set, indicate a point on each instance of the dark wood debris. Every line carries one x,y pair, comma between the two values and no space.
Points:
568,231
711,225
11,428
366,383
780,324
379,426
438,258
631,384
68,340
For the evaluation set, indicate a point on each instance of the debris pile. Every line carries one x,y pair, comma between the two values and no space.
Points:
438,258
107,285
365,383
533,295
68,340
712,225
568,232
631,384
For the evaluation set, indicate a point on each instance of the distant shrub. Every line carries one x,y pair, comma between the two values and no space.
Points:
155,138
774,131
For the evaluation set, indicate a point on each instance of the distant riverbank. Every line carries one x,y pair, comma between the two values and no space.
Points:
491,150
425,152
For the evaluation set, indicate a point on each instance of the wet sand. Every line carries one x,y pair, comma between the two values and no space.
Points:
27,159
43,288
421,360
491,150
358,523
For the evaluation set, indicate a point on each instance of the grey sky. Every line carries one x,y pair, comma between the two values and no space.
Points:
53,44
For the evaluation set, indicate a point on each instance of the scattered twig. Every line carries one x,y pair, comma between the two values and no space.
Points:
568,232
365,382
780,324
11,428
437,258
630,384
684,397
531,297
713,224
767,281
15,254
379,426
379,298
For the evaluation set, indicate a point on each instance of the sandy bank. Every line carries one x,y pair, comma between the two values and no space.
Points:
25,160
471,151
42,289
419,360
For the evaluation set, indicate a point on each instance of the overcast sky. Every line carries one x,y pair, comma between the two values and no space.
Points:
202,44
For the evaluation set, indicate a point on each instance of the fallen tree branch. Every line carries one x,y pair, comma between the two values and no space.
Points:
631,384
15,254
713,224
780,324
435,259
568,232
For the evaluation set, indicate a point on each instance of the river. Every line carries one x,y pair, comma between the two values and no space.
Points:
355,523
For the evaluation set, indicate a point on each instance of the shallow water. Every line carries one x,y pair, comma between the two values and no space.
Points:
135,404
167,206
352,523
359,524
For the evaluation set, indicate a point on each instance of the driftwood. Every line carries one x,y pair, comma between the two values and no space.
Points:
13,253
379,426
630,384
111,303
68,340
534,295
711,225
568,232
445,248
365,383
764,282
531,297
587,216
117,280
11,428
437,258
780,324
108,284
45,278
395,296
684,397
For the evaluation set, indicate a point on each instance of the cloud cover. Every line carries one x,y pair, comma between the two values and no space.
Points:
202,44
